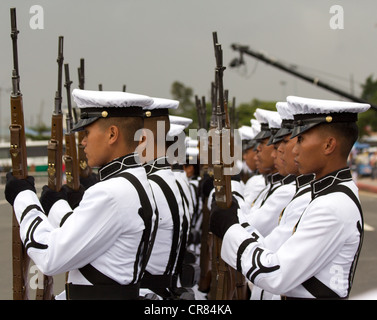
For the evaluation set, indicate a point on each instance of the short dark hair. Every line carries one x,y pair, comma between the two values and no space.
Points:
128,126
346,132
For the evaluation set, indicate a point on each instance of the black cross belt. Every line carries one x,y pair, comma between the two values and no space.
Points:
102,292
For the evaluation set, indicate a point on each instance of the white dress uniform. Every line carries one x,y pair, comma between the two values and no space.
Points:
103,234
287,221
265,212
279,190
106,241
165,263
171,226
253,188
320,258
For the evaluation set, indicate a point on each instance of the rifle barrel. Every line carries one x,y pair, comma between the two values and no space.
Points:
67,85
14,36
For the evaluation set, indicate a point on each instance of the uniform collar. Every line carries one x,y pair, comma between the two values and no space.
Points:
160,163
327,181
128,161
274,178
304,180
177,167
288,179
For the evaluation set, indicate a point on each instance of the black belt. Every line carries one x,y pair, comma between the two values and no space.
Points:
151,281
102,292
297,298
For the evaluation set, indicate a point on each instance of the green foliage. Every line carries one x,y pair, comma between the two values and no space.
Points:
187,108
368,120
245,111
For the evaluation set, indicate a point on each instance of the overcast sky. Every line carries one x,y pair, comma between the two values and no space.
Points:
149,44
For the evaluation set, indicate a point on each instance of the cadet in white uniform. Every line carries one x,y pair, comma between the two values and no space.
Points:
161,272
292,212
279,190
320,258
105,242
256,182
177,122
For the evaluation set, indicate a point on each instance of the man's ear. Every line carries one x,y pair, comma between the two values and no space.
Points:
113,134
330,145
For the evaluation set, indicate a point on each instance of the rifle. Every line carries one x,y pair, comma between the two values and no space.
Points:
70,157
55,145
84,170
201,112
222,182
205,254
54,157
20,259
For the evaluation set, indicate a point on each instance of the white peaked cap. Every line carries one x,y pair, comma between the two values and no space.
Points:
301,105
309,113
162,103
246,133
274,120
103,104
175,130
160,107
264,116
284,110
255,124
112,99
180,120
191,143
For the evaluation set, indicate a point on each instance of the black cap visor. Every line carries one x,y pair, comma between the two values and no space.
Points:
304,122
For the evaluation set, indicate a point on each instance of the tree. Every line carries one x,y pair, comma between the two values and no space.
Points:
185,97
368,120
246,111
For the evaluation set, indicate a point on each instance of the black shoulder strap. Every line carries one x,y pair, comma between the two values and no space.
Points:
316,287
174,210
182,249
146,212
270,192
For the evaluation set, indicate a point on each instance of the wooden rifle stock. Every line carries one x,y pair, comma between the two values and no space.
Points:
55,145
222,180
55,159
84,169
70,157
20,260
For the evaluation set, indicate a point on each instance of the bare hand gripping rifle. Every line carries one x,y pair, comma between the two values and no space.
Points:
19,168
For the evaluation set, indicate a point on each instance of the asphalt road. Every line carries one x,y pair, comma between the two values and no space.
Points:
365,281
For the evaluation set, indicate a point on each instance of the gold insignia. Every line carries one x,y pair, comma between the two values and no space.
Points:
328,118
148,114
104,114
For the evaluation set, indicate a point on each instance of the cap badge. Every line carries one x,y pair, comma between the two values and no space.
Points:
104,114
329,119
148,114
